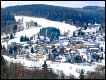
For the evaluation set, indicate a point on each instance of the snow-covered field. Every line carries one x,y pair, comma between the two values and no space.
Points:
44,23
67,68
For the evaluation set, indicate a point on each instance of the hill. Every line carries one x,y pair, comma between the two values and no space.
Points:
88,14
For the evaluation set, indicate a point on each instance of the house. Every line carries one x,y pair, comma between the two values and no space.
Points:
60,49
88,45
67,50
40,56
65,43
78,44
62,37
49,46
74,51
92,50
97,26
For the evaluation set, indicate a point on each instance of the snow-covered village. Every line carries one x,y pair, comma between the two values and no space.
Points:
74,51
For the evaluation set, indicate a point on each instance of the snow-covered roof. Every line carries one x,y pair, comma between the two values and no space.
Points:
65,43
67,48
89,30
97,24
73,51
88,44
62,37
93,48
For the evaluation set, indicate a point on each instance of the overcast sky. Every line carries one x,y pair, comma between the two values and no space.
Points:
78,4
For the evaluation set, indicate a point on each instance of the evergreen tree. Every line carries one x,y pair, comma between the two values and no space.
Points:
44,65
10,50
25,38
74,34
80,33
31,38
97,58
11,36
85,27
38,37
35,23
101,49
32,50
51,32
15,48
14,28
15,51
21,39
82,74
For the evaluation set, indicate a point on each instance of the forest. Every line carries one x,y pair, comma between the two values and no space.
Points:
51,32
75,16
7,21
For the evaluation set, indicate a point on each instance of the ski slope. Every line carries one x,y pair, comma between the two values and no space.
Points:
44,23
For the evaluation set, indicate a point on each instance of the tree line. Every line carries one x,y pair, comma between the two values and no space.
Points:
87,14
7,21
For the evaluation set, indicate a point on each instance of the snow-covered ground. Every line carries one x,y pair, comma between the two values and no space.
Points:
45,23
67,68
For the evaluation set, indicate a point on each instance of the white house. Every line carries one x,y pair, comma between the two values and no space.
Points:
88,44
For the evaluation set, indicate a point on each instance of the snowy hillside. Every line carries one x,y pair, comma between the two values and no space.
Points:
44,23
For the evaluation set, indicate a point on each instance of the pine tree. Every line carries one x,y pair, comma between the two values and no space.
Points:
10,50
74,34
25,38
32,50
44,65
38,37
31,38
35,23
85,26
101,49
15,51
82,74
11,36
14,28
21,39
15,48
